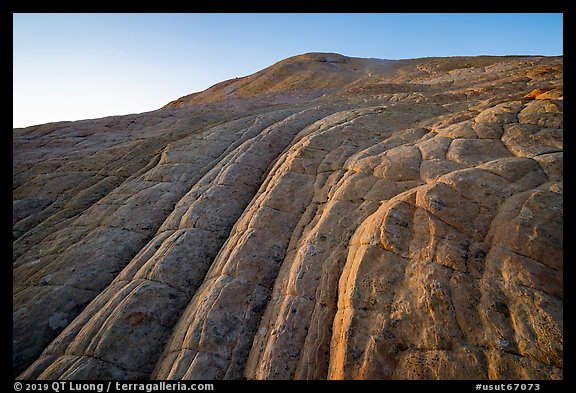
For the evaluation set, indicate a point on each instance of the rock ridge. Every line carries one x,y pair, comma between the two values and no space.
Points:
328,217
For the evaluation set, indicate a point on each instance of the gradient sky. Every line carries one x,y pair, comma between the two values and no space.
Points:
79,66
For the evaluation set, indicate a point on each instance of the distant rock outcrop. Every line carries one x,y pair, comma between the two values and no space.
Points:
326,217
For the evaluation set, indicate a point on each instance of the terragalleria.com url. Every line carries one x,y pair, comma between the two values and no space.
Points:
101,387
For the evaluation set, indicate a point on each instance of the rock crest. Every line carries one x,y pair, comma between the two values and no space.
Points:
327,217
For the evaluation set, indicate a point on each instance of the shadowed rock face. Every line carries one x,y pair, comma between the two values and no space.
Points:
327,217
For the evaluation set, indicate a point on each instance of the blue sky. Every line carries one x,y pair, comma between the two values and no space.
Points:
78,66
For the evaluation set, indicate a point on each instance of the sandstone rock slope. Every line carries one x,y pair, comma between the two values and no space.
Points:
328,217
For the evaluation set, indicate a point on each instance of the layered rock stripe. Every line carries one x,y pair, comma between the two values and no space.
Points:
326,218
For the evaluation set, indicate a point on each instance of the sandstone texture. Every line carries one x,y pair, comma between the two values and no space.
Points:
328,217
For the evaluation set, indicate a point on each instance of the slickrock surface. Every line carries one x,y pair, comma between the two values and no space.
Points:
327,217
